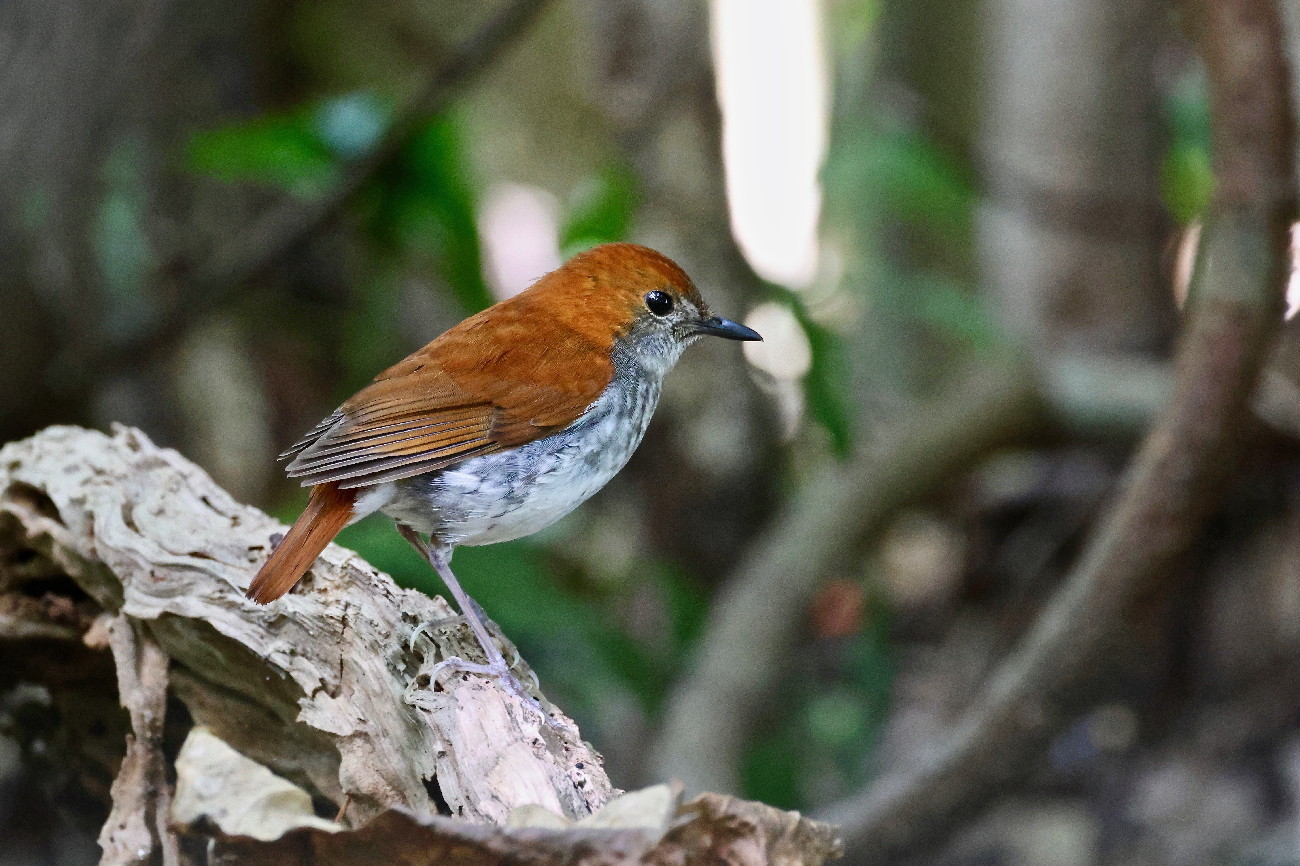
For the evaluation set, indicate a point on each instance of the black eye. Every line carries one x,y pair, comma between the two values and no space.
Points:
659,303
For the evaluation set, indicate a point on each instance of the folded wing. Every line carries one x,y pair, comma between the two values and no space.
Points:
462,396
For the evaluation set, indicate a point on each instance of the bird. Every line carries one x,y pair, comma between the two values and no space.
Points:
503,424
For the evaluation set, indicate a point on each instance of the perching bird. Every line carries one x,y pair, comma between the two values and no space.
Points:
502,425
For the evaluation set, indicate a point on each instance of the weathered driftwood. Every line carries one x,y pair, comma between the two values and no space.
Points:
321,687
141,797
710,829
250,808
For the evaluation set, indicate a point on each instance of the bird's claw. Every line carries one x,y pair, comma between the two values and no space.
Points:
423,628
499,672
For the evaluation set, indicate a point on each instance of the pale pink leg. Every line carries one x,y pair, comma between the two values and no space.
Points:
439,557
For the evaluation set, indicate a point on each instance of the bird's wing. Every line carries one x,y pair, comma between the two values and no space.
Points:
492,382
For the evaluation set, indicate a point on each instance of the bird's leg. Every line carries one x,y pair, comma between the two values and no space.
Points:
439,557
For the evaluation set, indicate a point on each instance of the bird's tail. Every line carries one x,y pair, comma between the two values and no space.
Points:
328,510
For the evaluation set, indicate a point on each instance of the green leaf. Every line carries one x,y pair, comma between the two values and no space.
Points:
826,384
688,609
837,718
371,330
298,151
1186,182
945,304
601,210
1186,175
424,206
771,770
282,151
852,23
918,183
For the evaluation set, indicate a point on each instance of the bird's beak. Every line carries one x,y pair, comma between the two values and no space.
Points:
715,326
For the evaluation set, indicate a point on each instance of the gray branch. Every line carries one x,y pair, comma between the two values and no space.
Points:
753,621
1177,475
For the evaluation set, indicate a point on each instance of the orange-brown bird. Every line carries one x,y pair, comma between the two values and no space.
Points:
502,425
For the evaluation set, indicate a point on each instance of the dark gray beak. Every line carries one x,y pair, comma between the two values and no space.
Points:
718,327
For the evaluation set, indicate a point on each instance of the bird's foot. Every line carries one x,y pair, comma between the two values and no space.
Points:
431,625
506,677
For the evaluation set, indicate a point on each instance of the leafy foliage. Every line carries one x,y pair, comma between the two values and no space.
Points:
918,183
1186,178
828,724
285,151
601,210
422,208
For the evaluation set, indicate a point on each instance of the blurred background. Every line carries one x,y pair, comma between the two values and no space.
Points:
964,229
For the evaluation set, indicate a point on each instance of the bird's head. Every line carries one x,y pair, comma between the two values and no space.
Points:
631,297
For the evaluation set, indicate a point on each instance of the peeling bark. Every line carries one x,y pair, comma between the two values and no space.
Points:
320,686
318,695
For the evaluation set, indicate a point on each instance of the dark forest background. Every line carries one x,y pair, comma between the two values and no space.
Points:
218,220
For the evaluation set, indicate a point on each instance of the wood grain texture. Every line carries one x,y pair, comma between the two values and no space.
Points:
138,827
328,510
322,688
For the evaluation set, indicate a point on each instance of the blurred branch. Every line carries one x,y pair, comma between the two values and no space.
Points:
756,617
1091,392
1177,475
213,283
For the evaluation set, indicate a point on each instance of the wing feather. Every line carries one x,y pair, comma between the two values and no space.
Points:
441,447
461,396
378,474
312,435
386,438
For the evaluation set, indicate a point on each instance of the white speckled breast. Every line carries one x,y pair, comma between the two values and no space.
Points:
514,493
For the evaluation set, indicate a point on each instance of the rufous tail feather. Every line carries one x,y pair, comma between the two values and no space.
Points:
328,510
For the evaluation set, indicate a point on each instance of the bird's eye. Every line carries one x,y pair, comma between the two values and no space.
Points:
659,303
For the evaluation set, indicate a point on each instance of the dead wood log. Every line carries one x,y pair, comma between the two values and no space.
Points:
321,686
317,696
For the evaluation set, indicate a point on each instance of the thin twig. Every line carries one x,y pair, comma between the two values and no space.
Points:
1177,475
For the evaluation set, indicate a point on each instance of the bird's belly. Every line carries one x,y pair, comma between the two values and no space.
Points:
510,494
